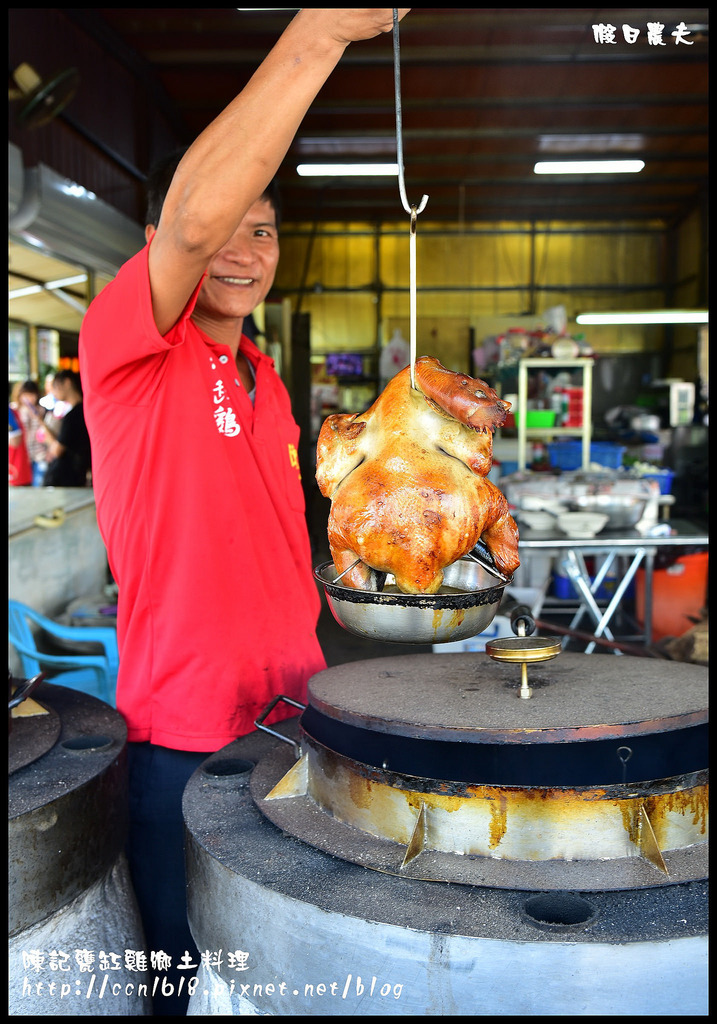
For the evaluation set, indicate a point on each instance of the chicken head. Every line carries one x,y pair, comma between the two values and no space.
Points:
407,481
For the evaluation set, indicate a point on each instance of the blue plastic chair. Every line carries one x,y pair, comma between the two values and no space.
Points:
94,674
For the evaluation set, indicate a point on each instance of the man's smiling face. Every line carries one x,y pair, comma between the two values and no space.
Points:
242,272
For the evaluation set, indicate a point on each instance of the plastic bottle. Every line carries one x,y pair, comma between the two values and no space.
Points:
557,404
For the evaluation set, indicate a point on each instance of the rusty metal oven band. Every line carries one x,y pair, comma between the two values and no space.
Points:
621,837
510,822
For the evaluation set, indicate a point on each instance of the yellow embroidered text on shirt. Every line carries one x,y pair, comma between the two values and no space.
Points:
294,458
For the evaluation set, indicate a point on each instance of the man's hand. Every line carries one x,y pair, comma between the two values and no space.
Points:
350,26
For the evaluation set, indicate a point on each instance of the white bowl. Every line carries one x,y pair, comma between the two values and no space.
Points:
582,524
541,503
537,520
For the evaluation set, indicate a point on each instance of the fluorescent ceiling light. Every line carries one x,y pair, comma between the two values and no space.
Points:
588,166
652,316
20,293
35,289
347,170
590,143
64,282
346,147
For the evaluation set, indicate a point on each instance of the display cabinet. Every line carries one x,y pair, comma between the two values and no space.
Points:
583,431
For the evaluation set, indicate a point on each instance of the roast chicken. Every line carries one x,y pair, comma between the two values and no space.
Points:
407,481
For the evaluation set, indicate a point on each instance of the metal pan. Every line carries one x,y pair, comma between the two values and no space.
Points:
473,592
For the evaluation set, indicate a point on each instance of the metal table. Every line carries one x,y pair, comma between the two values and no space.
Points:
638,548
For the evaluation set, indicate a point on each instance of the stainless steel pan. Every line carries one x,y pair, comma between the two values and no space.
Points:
466,605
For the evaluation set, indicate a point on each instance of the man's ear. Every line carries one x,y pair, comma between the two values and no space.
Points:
149,230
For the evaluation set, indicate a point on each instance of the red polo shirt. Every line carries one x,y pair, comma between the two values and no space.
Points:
200,505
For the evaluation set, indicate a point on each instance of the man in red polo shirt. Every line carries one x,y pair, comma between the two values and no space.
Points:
195,464
199,501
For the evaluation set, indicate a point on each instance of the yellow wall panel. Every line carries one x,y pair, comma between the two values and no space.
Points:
353,280
341,322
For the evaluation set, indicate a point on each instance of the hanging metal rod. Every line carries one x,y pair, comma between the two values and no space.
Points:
413,211
399,123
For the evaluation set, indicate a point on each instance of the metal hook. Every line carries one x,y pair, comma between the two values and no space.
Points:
413,210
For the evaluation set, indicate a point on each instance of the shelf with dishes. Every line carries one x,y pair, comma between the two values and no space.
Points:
579,422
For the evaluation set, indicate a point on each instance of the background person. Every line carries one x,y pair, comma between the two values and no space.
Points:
195,462
69,451
25,401
19,465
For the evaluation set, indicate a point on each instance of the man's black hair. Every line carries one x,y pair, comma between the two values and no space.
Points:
68,375
160,178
